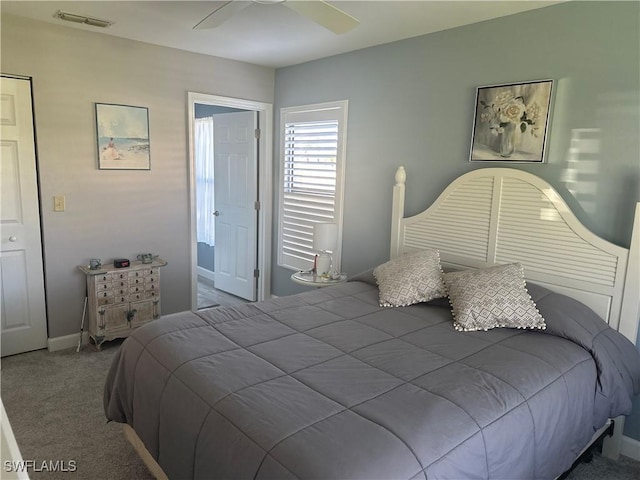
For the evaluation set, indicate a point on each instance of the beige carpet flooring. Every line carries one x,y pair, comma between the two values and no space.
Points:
54,404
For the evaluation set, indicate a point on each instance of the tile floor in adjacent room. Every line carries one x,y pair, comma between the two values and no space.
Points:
208,295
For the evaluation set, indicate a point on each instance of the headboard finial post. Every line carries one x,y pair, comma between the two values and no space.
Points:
630,310
397,212
401,176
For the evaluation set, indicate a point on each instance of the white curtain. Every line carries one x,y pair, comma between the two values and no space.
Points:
205,205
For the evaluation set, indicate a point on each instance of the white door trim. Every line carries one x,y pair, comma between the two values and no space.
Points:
265,187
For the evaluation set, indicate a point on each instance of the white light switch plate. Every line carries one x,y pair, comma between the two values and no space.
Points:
58,203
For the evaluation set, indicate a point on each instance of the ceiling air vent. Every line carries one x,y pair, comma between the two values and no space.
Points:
72,17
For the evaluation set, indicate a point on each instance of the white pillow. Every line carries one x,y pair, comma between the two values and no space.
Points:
410,278
492,297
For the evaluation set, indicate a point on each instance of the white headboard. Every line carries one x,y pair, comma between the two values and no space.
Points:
494,216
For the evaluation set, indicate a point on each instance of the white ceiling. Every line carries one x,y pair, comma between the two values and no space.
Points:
270,35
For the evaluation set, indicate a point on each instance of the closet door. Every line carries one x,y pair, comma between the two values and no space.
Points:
23,313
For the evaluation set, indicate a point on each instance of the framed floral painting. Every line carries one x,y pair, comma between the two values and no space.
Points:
511,122
123,137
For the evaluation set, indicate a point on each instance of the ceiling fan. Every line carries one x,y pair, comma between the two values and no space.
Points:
320,12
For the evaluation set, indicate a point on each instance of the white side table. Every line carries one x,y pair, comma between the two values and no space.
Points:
313,280
121,299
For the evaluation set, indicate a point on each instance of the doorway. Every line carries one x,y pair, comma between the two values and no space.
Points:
230,199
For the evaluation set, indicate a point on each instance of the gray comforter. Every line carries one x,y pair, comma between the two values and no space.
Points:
328,385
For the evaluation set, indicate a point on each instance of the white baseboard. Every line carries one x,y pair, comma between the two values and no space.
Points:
55,344
630,448
208,274
170,315
67,341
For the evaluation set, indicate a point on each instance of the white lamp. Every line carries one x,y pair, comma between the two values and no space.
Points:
325,239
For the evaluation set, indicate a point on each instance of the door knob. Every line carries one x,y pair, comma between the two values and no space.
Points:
13,238
216,213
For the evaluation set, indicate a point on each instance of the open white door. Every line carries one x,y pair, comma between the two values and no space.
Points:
236,194
23,314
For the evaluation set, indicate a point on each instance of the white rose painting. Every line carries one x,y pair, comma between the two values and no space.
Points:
123,137
511,122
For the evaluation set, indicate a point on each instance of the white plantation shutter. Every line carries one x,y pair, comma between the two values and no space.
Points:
311,179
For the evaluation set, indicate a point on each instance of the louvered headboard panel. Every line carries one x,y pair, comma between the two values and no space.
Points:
461,225
495,216
532,231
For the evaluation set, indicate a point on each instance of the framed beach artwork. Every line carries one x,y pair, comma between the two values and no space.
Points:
511,122
123,137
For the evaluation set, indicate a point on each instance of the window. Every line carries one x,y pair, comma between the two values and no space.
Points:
203,154
311,179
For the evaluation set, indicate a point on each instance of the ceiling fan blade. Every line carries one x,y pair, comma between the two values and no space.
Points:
324,14
221,14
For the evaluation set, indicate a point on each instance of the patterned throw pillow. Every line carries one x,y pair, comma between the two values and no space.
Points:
491,297
410,278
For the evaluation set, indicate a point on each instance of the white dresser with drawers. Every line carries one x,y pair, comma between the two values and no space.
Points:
121,299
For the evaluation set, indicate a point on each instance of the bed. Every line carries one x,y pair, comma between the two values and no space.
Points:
329,384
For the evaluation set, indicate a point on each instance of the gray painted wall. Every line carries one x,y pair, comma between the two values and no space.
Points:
206,256
113,213
209,110
411,103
